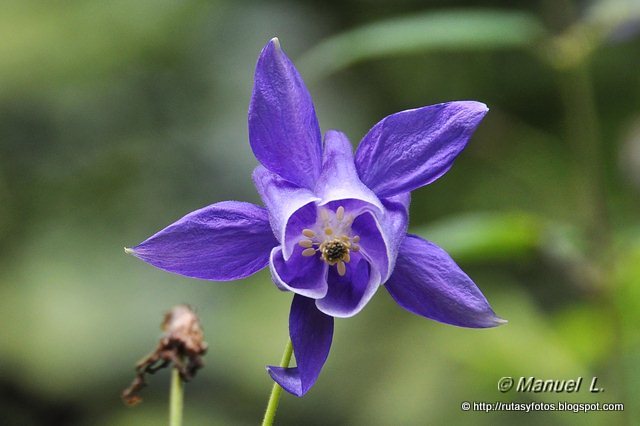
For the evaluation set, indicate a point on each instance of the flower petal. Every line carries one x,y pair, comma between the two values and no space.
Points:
427,282
291,209
381,235
222,242
371,243
302,275
339,179
311,333
283,128
412,148
348,294
394,225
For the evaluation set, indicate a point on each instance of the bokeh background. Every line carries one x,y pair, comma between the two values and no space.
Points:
119,117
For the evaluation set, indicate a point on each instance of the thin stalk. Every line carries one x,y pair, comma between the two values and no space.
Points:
176,399
584,134
276,390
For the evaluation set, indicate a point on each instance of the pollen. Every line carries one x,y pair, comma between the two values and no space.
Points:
305,243
309,252
334,251
332,237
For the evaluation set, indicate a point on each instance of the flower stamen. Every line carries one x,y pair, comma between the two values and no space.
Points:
331,237
305,243
309,252
334,251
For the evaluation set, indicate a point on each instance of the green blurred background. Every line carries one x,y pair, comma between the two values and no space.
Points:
119,117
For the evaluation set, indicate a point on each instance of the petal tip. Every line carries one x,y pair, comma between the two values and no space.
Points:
500,321
276,43
494,321
333,133
279,375
129,250
478,107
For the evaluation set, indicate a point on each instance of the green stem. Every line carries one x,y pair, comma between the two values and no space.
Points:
577,90
276,391
176,399
584,134
584,131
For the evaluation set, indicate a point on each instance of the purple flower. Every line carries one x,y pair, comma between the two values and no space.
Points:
334,227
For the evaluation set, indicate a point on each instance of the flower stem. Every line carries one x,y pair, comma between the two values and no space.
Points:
176,399
584,134
276,391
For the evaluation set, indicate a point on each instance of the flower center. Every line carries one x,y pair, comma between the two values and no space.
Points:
334,251
331,237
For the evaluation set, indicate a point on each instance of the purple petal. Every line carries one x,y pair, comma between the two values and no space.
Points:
311,333
348,294
394,225
291,209
222,242
283,128
427,282
381,235
339,179
372,244
413,148
302,275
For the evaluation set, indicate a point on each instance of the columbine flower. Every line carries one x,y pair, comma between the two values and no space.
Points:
334,226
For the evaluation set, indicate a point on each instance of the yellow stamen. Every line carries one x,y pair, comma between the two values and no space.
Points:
340,213
305,243
308,233
342,268
309,252
328,231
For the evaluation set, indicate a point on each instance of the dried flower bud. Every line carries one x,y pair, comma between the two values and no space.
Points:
181,344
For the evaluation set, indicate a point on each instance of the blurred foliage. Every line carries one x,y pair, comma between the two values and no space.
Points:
75,40
467,30
484,237
116,118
